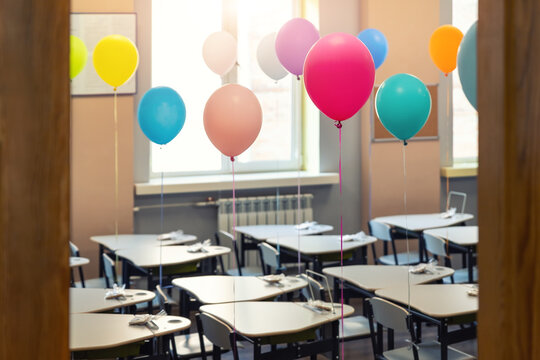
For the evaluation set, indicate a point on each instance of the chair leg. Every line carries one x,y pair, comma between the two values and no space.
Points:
81,276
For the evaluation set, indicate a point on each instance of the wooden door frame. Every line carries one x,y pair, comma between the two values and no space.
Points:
509,179
34,173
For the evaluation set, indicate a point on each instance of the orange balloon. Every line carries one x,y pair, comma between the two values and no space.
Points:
443,47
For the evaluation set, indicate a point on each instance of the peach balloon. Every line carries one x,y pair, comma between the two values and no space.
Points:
232,119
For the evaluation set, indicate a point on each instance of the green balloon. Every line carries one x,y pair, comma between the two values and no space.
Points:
78,54
403,104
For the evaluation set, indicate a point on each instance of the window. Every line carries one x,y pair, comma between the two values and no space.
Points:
465,118
179,28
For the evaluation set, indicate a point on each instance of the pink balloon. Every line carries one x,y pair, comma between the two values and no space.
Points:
293,42
232,119
339,74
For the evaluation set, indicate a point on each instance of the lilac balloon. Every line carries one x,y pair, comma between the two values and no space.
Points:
293,42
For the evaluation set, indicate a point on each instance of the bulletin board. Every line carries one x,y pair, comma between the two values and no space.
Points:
429,131
92,27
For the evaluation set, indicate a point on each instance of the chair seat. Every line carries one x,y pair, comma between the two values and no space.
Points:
354,326
413,258
426,351
246,271
462,276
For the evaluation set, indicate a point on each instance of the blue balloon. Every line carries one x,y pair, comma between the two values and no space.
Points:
403,104
376,44
161,114
467,64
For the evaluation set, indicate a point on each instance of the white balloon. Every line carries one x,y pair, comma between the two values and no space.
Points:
219,52
267,58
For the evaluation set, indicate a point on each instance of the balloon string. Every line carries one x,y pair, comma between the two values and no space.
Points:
115,117
161,242
234,245
449,136
339,126
406,227
299,221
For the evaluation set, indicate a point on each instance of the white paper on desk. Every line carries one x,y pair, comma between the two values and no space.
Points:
116,292
359,236
306,225
173,235
448,214
200,247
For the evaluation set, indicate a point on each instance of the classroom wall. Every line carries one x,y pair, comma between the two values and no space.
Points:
92,158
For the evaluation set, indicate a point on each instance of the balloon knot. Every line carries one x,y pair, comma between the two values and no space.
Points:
338,124
405,142
232,158
446,75
114,89
298,77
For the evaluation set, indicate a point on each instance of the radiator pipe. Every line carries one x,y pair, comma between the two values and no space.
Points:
208,202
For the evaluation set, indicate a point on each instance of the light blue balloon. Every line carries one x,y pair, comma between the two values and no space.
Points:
161,114
467,64
403,104
376,43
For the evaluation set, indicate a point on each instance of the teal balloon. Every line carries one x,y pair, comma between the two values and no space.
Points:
161,114
467,64
403,104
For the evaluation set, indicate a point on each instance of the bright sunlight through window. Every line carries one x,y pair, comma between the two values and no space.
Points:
179,29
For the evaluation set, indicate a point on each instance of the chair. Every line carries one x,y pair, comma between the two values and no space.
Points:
454,194
188,346
270,259
354,327
395,318
220,334
223,238
74,251
385,233
438,248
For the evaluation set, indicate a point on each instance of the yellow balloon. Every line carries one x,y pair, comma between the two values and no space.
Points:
115,59
78,55
443,47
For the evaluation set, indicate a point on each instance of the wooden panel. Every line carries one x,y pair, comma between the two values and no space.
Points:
509,179
34,179
430,129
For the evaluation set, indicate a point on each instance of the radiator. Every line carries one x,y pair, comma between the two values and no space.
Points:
264,210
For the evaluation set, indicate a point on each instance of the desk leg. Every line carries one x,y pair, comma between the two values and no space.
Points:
101,250
470,264
125,273
242,250
335,341
443,339
257,349
150,288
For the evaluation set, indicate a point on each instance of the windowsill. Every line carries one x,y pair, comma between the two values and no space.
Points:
188,184
460,170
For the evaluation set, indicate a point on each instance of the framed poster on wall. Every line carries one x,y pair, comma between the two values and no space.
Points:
92,27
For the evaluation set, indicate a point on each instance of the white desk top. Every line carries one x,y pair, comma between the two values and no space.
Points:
102,331
421,222
216,289
86,300
319,244
126,241
438,301
460,235
266,318
75,261
152,256
374,277
263,232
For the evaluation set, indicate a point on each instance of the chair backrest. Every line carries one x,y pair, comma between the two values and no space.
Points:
269,256
223,238
435,245
389,314
380,230
73,249
215,330
454,194
109,270
314,290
